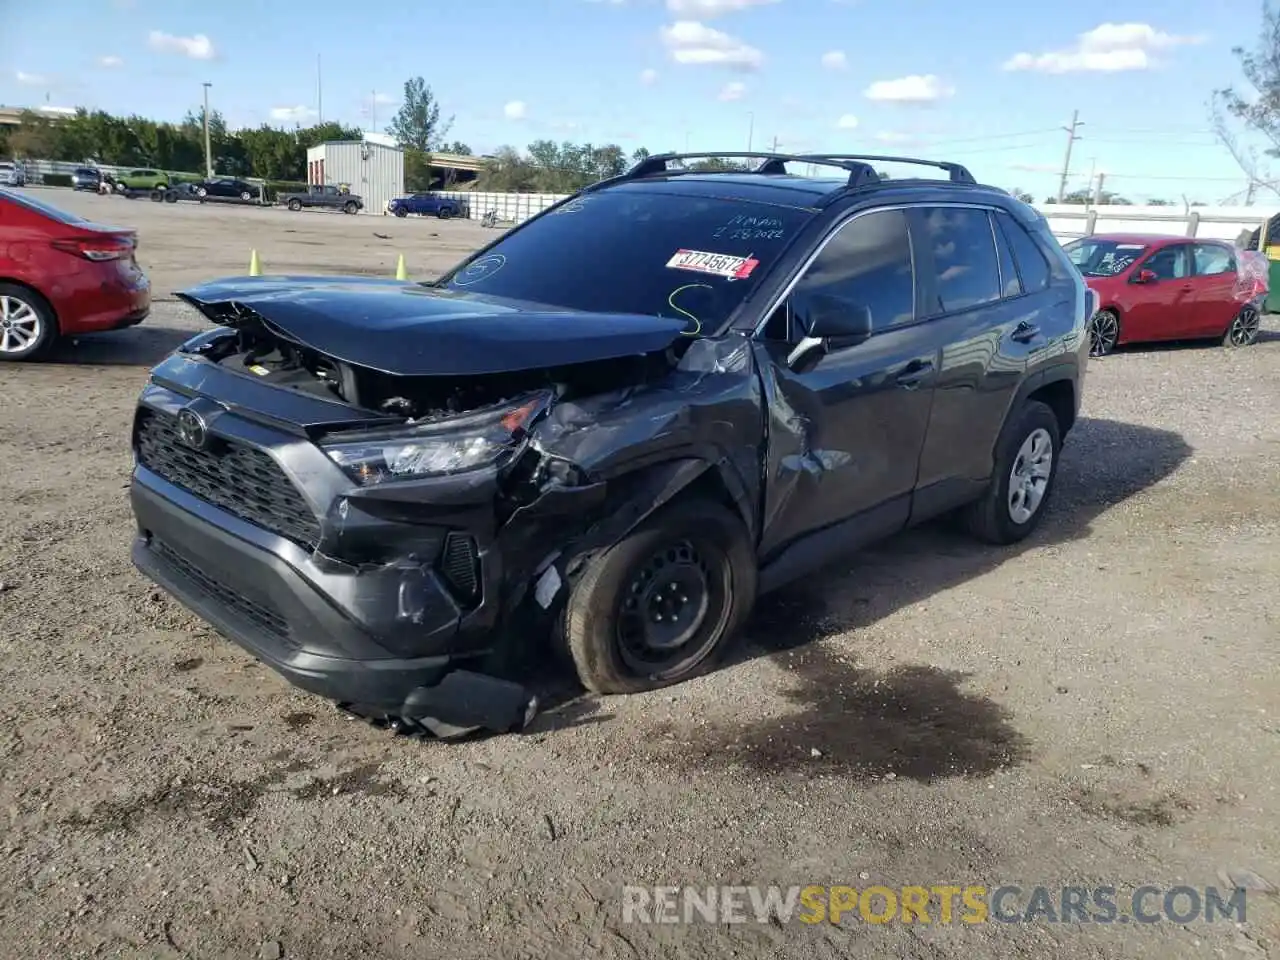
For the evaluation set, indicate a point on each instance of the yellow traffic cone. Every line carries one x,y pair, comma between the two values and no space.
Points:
255,268
401,273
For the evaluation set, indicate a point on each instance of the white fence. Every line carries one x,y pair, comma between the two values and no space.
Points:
510,207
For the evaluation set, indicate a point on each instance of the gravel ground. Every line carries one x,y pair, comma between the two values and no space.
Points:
1096,707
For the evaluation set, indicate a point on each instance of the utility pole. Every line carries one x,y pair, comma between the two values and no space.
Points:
319,92
1066,162
751,129
774,148
208,153
373,111
1097,190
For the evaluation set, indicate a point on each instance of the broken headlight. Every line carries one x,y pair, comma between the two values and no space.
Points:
438,448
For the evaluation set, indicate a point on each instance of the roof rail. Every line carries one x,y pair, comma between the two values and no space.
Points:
861,174
957,172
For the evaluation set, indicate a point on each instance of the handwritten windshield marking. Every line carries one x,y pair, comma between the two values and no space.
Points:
671,301
743,227
482,268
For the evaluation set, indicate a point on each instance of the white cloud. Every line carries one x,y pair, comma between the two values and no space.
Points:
31,79
292,114
383,99
733,91
648,77
847,122
1107,48
515,110
691,42
712,8
110,62
198,47
835,60
912,89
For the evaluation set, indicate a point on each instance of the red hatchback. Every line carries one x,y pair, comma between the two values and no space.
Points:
61,275
1167,288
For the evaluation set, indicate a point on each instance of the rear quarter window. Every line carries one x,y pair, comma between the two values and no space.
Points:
1033,267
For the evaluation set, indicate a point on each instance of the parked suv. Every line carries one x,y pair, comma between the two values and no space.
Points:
142,180
614,426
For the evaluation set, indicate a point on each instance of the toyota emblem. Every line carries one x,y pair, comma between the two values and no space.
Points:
192,429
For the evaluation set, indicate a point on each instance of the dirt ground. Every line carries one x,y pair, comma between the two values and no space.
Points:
1097,707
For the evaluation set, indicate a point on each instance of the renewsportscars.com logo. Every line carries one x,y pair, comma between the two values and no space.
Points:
943,904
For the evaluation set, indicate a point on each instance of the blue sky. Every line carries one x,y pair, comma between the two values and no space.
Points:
989,83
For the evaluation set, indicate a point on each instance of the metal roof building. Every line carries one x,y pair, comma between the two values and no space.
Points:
374,171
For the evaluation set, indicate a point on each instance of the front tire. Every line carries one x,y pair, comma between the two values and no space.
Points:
444,213
350,207
1244,328
1104,332
1027,456
663,604
28,328
201,192
401,212
295,205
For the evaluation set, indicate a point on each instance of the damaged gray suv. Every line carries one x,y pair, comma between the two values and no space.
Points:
607,432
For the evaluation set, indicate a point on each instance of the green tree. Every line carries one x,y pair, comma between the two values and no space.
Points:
457,147
417,124
1258,108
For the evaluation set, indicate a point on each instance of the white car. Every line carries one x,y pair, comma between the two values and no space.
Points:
12,174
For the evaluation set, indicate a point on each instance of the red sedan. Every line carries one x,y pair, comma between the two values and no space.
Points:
63,275
1167,288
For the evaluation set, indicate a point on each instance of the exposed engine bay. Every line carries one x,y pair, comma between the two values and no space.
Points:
252,347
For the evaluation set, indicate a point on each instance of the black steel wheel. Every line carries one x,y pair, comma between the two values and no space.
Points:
663,603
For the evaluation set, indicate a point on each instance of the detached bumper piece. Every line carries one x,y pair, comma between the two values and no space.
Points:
257,599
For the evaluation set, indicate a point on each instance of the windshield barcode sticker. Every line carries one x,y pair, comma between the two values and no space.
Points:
717,264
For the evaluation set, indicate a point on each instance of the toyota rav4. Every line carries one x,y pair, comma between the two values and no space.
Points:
607,432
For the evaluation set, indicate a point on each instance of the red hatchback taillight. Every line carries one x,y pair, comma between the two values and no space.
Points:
98,249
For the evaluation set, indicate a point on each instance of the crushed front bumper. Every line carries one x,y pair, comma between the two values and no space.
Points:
265,594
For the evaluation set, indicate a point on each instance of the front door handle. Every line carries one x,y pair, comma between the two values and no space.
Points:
914,372
1025,332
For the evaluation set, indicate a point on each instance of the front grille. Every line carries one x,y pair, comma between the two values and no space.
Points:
263,616
234,476
460,565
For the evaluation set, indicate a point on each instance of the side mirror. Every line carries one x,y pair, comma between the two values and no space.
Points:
833,319
833,323
1145,276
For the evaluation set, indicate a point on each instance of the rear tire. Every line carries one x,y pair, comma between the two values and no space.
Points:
295,205
1026,467
1104,333
663,604
444,213
28,327
201,192
1244,327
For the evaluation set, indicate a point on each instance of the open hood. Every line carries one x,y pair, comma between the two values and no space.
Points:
410,330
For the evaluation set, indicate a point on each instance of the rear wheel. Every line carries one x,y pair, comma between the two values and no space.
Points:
1104,333
201,192
1025,470
444,213
295,205
663,604
1243,331
246,195
28,329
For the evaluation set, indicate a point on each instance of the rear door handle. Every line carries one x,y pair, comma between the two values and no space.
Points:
1025,332
913,373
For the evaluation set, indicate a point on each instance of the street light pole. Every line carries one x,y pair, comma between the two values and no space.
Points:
751,129
208,154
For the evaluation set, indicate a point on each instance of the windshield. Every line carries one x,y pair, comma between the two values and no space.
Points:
48,209
1104,258
639,252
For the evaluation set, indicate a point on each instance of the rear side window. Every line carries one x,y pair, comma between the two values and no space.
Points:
1032,266
1212,259
967,271
1010,286
866,263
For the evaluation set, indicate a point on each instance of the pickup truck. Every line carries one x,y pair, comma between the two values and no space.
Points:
424,204
326,196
